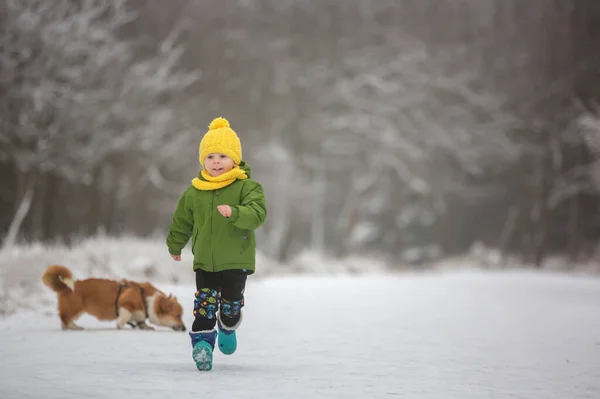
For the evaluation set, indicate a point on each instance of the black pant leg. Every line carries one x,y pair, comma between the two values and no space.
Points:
233,285
210,281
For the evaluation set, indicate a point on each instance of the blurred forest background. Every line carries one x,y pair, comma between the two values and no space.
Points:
406,128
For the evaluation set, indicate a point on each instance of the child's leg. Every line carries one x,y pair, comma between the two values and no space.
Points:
203,334
206,300
230,312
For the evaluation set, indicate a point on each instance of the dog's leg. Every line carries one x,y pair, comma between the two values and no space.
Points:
67,321
143,326
124,317
71,326
70,308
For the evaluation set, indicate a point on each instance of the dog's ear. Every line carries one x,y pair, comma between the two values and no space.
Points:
165,304
147,286
172,298
130,283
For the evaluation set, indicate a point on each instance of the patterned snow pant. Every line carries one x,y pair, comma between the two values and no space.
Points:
218,291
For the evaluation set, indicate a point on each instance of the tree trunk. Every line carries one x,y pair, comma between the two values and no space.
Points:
317,227
508,231
52,207
574,230
540,213
21,213
34,228
280,215
348,216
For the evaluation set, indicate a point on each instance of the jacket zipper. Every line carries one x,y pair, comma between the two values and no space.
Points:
194,238
212,215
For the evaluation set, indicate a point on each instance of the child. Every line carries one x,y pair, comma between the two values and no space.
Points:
219,212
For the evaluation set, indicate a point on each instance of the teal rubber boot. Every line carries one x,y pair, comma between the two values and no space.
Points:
226,338
203,344
227,342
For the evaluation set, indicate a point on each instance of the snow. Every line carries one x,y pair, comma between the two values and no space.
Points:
451,334
21,266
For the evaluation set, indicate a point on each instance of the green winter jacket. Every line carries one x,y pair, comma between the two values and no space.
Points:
219,243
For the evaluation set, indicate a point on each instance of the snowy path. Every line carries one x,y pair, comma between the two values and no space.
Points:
461,335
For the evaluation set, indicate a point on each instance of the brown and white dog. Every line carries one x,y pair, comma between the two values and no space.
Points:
125,301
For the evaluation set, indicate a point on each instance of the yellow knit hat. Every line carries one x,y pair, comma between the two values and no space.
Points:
222,139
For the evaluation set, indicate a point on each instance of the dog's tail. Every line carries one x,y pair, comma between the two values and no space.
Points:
58,278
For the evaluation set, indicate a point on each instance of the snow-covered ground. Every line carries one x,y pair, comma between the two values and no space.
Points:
465,334
21,266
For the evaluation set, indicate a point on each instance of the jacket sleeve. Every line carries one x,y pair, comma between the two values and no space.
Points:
252,211
182,226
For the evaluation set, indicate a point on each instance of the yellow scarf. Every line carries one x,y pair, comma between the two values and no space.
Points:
215,183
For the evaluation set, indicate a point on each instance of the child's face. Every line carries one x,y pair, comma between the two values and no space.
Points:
216,164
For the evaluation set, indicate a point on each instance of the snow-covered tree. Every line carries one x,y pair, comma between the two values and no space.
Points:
408,128
584,177
78,94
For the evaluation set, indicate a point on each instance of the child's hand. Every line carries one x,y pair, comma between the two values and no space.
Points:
176,258
225,210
